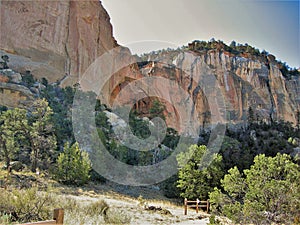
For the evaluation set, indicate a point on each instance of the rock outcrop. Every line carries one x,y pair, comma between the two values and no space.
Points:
59,40
15,95
54,39
244,82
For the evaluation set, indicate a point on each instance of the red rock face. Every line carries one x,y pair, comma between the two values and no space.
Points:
239,82
242,82
60,40
3,79
55,38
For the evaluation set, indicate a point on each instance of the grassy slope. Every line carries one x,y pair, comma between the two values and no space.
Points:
86,204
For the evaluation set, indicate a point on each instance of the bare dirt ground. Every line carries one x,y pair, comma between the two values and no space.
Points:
161,213
143,205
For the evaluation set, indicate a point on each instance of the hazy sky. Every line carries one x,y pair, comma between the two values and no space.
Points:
145,25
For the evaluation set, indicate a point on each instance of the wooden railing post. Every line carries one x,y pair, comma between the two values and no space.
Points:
185,206
207,206
199,204
58,216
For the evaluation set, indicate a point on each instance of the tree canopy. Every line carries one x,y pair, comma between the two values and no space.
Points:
13,124
268,192
73,165
196,177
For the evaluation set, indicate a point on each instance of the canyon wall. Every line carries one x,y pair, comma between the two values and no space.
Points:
54,39
59,40
244,82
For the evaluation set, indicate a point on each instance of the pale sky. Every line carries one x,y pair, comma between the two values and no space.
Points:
146,25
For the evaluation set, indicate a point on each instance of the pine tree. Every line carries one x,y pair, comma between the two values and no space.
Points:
267,193
41,136
251,118
13,124
5,59
298,120
198,177
157,110
73,165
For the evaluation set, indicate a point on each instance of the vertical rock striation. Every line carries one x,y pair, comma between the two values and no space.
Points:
243,81
54,39
59,40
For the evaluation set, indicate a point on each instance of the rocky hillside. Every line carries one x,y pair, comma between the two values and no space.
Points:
59,40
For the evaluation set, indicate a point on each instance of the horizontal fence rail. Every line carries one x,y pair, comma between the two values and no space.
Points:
58,218
196,204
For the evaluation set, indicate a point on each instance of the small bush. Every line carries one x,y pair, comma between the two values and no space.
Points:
73,165
213,220
28,79
5,219
142,201
25,205
97,208
115,216
83,212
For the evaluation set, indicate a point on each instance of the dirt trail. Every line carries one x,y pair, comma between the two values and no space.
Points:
158,215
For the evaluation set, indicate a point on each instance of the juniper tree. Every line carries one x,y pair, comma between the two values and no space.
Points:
13,125
267,193
41,136
73,165
197,177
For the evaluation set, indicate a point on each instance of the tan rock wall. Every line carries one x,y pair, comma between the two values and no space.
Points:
243,82
13,95
55,37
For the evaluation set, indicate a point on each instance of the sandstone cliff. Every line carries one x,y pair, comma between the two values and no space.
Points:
15,95
59,40
243,81
54,39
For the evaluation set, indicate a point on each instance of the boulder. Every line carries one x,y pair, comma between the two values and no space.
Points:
16,78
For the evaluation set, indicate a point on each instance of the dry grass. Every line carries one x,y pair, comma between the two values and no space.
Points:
77,212
96,203
29,205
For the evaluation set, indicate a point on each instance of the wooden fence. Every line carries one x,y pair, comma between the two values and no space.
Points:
196,204
58,218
